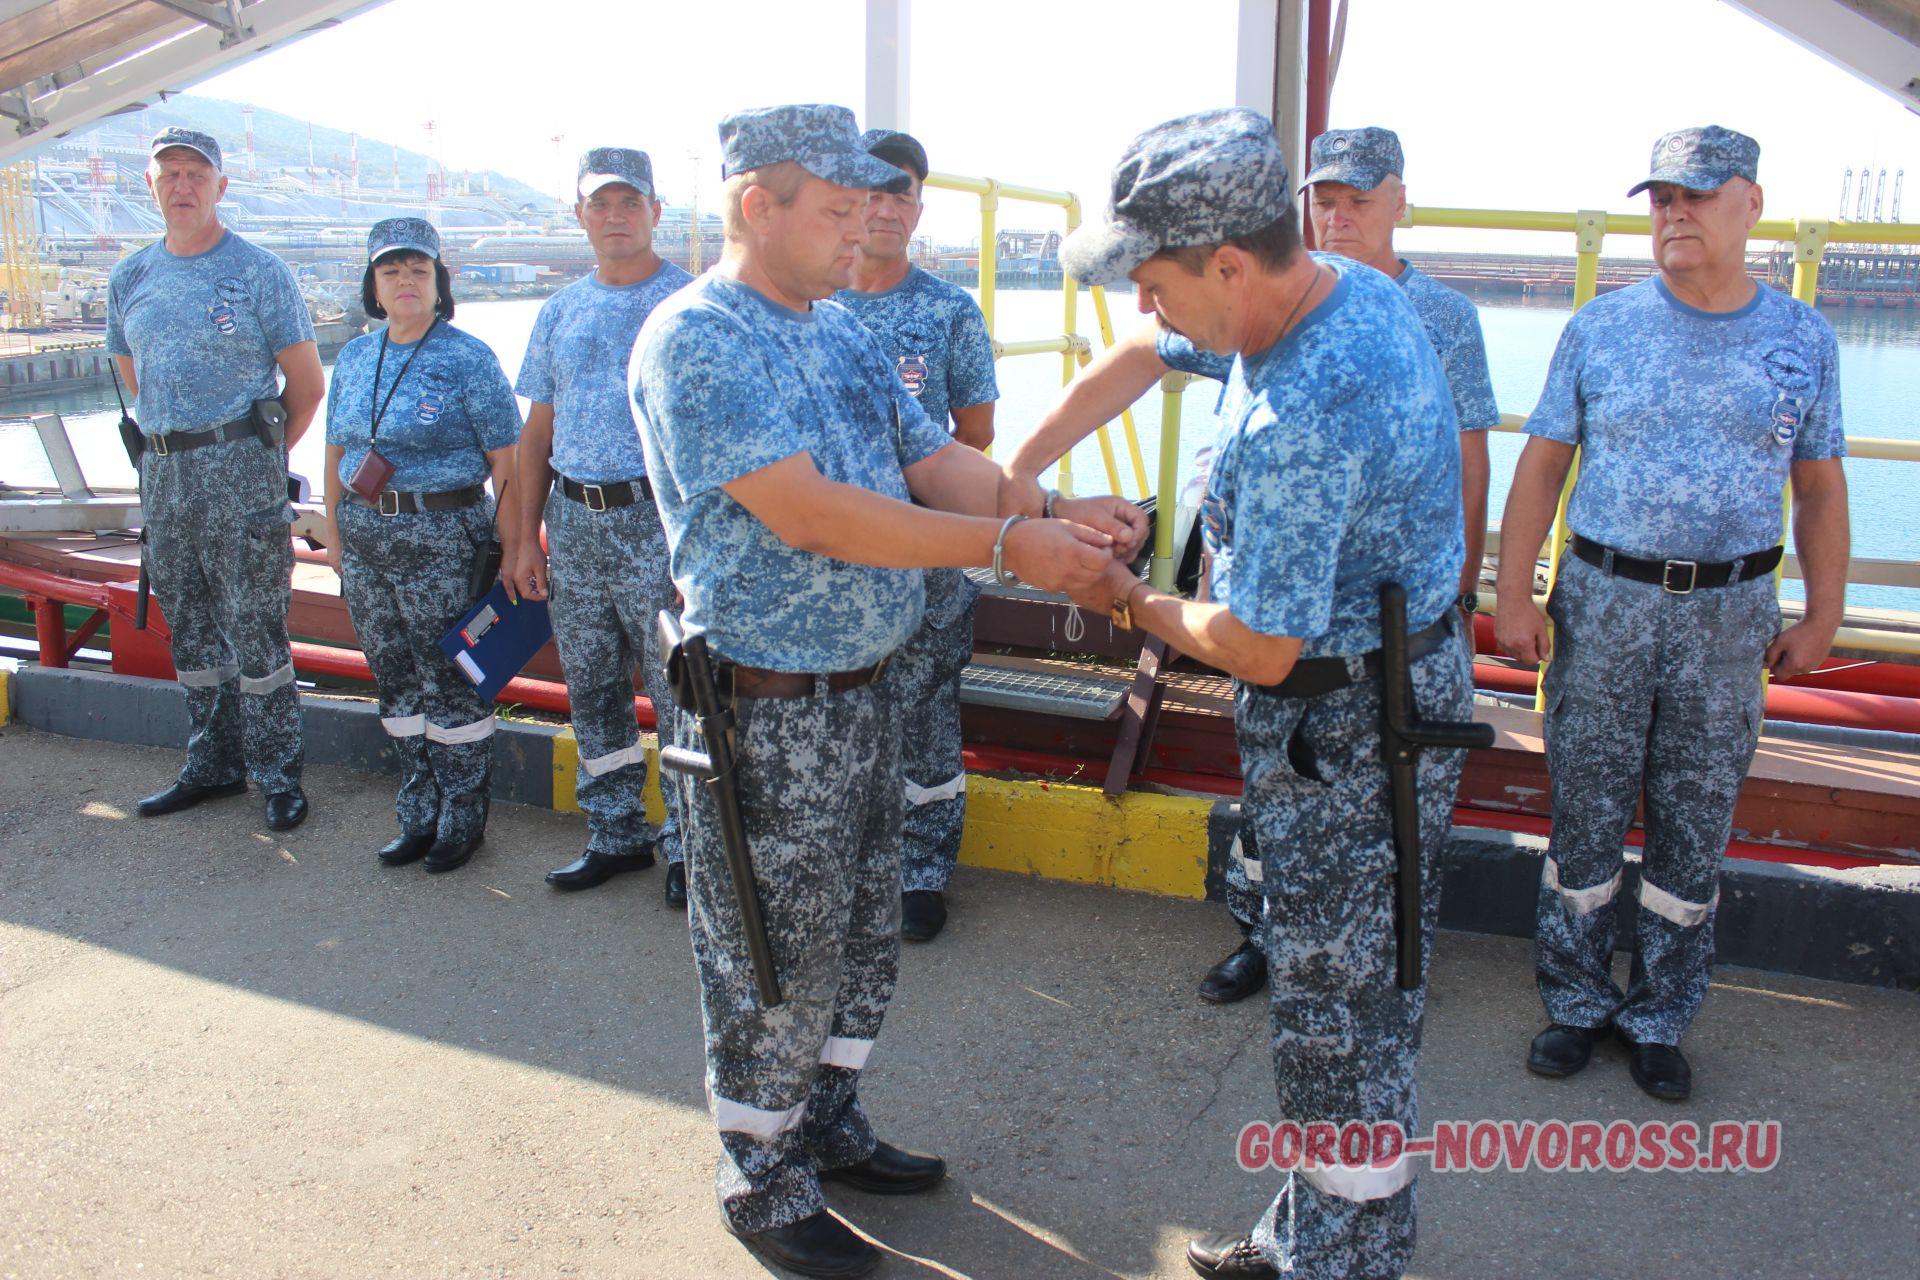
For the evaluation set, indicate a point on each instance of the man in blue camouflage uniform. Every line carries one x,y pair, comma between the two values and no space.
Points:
198,324
1693,398
434,402
937,338
783,449
580,463
1355,198
1337,471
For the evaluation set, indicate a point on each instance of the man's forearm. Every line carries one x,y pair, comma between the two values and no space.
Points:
1822,536
533,478
959,479
1474,469
1531,503
1210,633
1102,391
862,527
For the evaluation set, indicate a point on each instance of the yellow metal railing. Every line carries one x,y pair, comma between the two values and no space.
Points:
1809,238
1074,349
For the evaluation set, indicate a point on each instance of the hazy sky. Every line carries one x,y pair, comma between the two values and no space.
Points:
1540,104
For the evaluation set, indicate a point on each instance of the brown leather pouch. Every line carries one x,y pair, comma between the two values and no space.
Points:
369,479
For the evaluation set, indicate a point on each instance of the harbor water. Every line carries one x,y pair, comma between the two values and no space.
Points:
1879,365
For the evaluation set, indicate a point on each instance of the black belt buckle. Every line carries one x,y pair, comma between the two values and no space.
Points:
594,496
381,506
1666,577
158,443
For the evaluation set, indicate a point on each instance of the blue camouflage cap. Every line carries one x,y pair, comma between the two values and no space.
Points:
820,138
1702,159
902,150
394,235
604,166
1200,179
1361,158
192,139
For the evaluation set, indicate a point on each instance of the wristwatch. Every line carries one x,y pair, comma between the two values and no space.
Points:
1469,602
1120,612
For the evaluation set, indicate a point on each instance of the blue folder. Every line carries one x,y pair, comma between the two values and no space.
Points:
496,638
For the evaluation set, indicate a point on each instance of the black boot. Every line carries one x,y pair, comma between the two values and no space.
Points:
403,848
1240,975
185,795
923,914
889,1171
448,854
595,867
677,885
820,1245
1561,1050
1661,1071
1229,1258
286,809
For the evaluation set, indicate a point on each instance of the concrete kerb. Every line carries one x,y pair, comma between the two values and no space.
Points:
1853,926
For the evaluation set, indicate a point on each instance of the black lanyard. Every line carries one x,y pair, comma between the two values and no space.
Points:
380,414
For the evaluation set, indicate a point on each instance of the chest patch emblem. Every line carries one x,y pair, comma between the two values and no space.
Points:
221,317
1787,412
231,289
913,372
431,406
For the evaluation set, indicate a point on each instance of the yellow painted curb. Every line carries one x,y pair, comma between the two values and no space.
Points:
6,707
1141,840
566,765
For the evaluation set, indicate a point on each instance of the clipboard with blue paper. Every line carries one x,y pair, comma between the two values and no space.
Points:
496,638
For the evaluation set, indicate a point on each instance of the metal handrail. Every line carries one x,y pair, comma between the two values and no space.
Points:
1075,351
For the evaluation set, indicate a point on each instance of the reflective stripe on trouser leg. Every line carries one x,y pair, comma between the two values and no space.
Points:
1346,1039
406,581
821,789
1600,704
924,678
1706,724
608,583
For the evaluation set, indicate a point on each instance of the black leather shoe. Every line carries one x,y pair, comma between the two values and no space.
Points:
1238,976
184,795
448,854
1661,1071
594,868
923,914
403,848
889,1171
1229,1257
1561,1050
677,885
820,1245
286,809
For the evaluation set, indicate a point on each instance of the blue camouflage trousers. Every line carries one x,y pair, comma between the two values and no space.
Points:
1654,696
609,582
925,674
819,786
406,578
1346,1039
220,562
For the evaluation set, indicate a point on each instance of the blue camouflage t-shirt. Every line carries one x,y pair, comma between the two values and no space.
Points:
203,331
937,339
576,361
1453,326
728,382
1688,421
1338,469
449,408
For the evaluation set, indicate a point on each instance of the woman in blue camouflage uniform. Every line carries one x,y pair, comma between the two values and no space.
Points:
419,417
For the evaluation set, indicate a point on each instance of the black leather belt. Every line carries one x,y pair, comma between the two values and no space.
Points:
1314,677
187,441
393,502
599,497
758,682
1679,577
